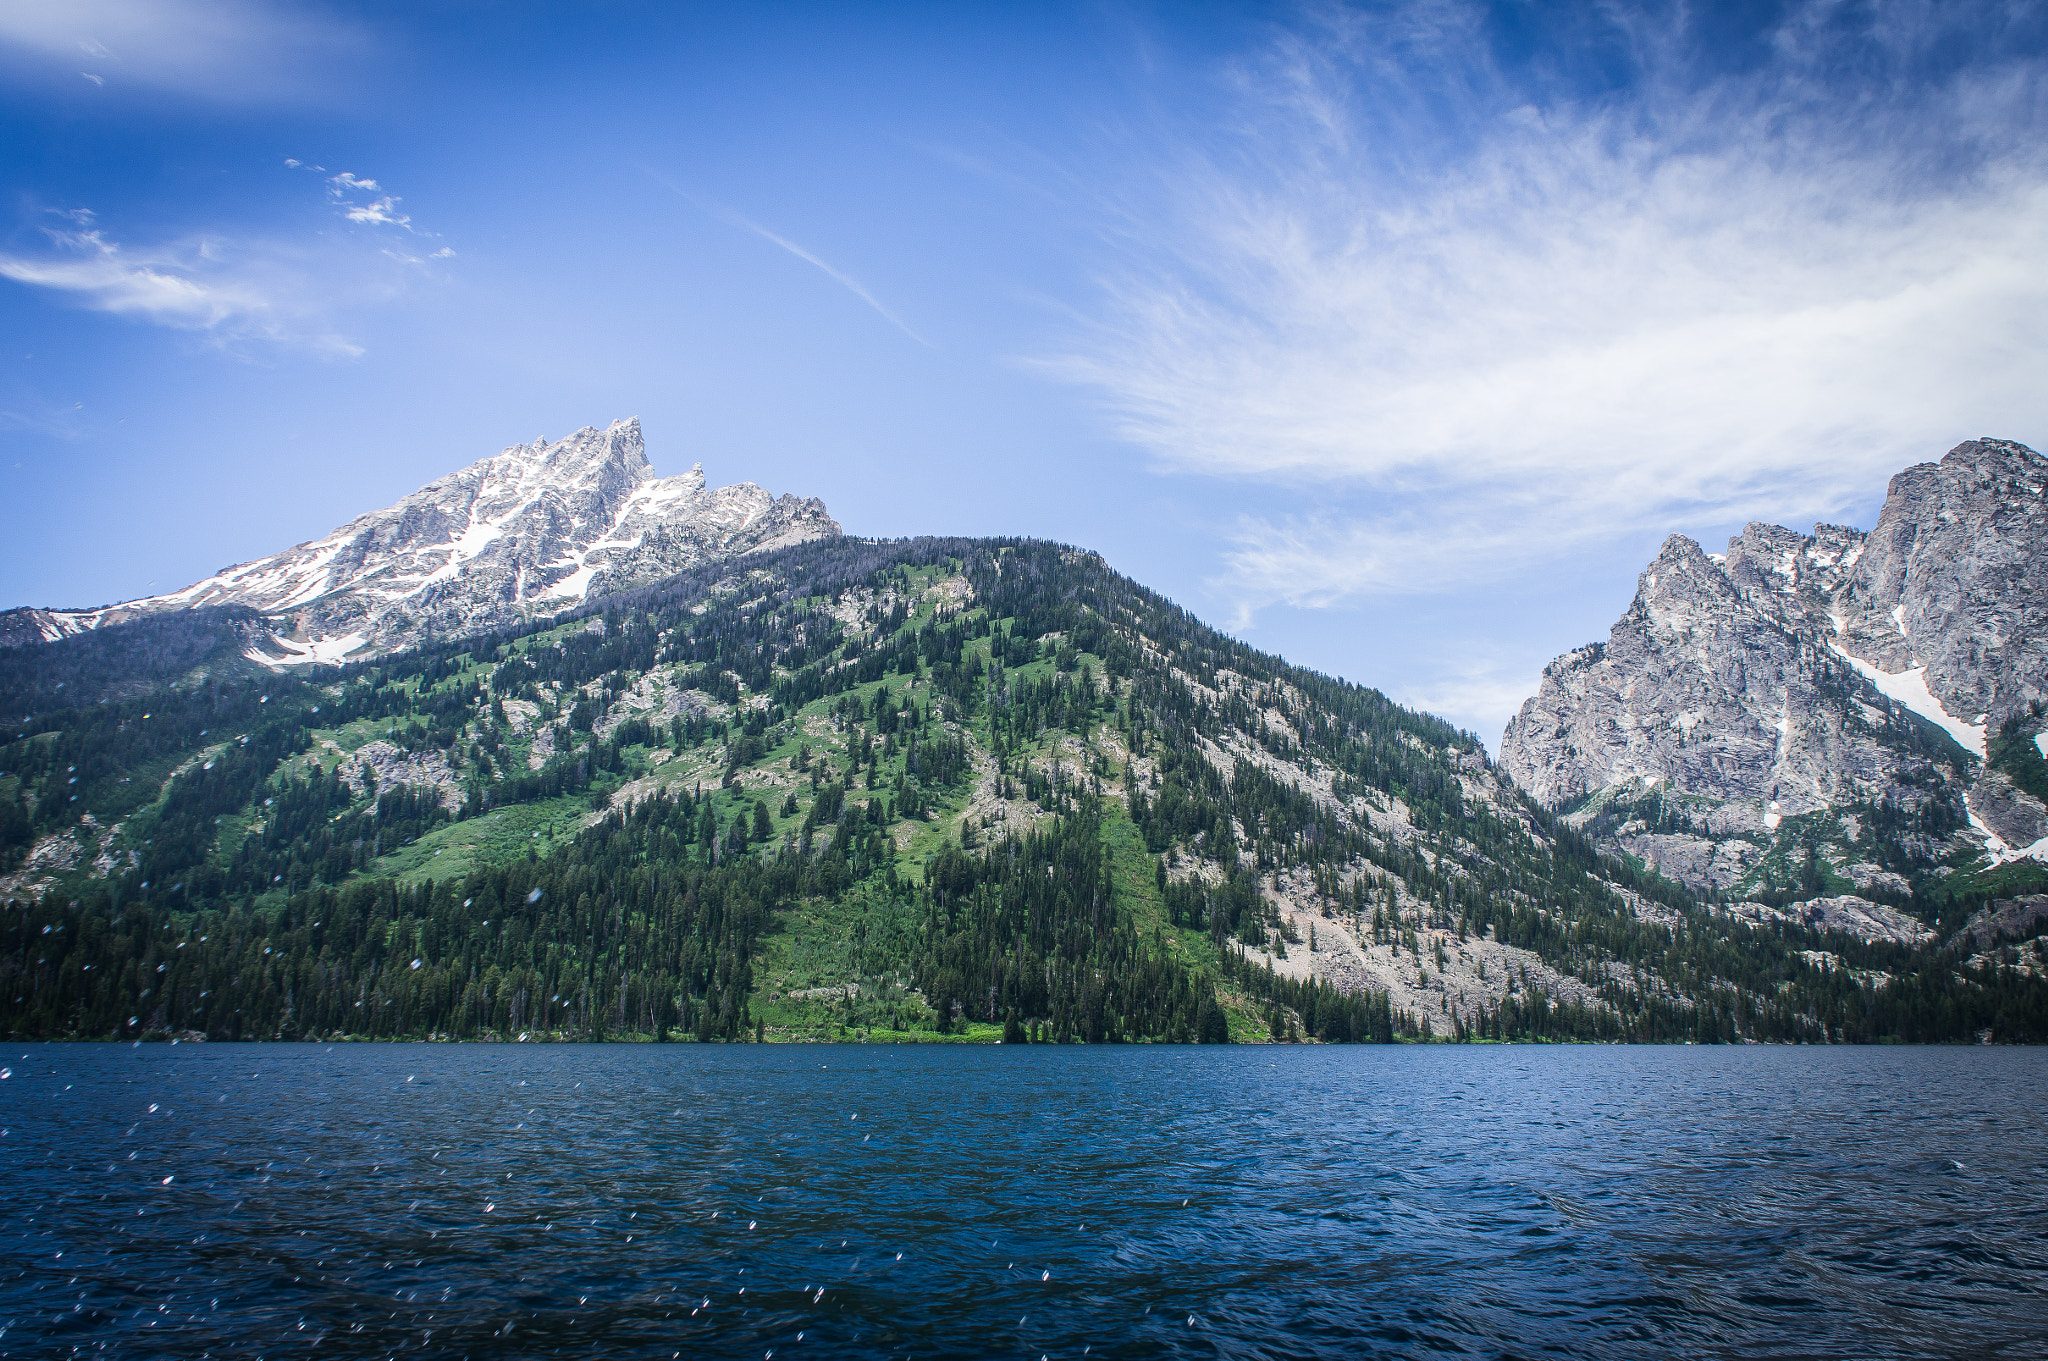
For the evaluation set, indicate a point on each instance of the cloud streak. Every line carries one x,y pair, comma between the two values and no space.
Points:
381,211
744,223
846,281
214,50
1508,318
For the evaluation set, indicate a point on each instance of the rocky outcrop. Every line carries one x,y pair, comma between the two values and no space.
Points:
1802,672
1847,914
382,765
2004,919
28,625
533,530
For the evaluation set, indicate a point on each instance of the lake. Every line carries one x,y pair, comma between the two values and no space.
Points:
685,1201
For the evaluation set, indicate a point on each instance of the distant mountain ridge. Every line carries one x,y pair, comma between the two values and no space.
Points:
960,787
901,790
1886,687
522,534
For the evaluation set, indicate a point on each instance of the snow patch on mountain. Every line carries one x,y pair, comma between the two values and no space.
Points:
291,653
1909,687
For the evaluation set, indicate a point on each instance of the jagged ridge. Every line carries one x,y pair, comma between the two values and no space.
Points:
524,533
1839,671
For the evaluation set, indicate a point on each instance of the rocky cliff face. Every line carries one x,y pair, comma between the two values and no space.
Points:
1817,706
1954,580
533,530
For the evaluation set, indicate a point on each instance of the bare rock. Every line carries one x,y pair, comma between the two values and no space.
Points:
1835,670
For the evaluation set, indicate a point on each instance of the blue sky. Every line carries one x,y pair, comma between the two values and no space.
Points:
1394,337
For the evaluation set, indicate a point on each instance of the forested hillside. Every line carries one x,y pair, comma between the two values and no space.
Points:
930,789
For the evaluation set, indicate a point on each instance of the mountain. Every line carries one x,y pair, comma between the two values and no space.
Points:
1821,715
524,534
935,788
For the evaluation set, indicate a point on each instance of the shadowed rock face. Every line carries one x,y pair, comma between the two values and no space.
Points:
533,530
1806,672
1954,578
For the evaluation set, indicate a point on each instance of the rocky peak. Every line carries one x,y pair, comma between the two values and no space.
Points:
1787,677
530,531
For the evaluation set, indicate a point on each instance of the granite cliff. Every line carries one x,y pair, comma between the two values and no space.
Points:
1819,711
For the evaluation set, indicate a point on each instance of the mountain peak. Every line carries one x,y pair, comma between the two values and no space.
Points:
528,531
1786,679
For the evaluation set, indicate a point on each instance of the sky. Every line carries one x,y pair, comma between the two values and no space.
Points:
1393,338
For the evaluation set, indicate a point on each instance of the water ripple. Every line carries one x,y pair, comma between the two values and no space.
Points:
670,1201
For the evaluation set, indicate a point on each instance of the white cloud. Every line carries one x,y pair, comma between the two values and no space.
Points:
1324,557
1520,321
219,50
226,290
238,289
381,211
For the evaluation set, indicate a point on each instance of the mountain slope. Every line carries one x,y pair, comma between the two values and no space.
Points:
1830,712
908,790
523,534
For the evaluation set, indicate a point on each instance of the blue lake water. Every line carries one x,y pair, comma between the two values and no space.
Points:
664,1201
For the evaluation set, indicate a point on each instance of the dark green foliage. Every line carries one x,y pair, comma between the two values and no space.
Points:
621,932
2013,751
17,830
124,661
1031,926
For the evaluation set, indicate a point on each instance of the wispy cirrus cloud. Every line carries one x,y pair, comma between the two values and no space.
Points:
366,203
844,280
1486,316
212,285
214,50
233,289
